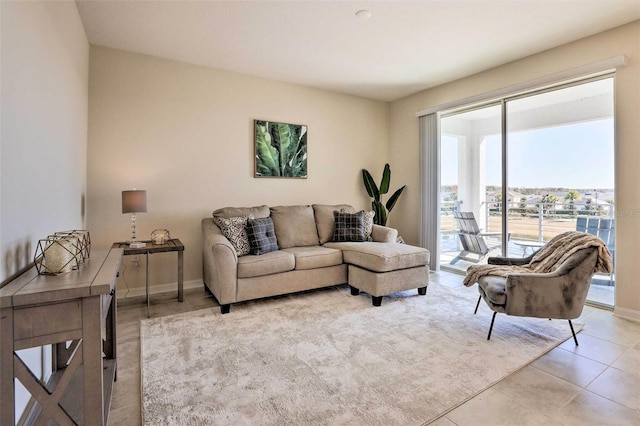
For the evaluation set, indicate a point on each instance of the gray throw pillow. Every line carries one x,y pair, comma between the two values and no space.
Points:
349,227
368,222
324,219
262,237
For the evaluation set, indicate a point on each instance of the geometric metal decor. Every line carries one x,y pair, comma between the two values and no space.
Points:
84,240
58,254
160,236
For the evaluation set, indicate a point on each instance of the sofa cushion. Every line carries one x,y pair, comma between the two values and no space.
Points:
324,219
235,229
257,212
262,237
348,227
295,226
313,257
382,257
267,264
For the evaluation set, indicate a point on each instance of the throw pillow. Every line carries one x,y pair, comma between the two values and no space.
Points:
235,230
349,227
262,237
368,222
324,219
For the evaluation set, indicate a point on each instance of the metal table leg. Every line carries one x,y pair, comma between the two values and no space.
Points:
147,284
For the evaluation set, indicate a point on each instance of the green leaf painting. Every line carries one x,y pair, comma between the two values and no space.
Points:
281,149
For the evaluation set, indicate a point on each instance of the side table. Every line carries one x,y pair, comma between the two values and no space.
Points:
528,245
174,245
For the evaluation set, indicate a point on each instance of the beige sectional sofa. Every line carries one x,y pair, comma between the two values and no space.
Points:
306,257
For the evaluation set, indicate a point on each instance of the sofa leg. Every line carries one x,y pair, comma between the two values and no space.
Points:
422,290
354,291
376,300
224,309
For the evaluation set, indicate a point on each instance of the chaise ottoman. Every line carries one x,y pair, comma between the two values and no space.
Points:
380,269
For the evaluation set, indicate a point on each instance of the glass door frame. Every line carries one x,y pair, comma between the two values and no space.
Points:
503,101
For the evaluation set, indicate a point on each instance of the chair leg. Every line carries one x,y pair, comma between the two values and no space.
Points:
477,304
491,328
575,339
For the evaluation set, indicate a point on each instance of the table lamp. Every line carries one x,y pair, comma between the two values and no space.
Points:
134,201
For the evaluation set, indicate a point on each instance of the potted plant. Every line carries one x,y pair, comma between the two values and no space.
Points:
381,210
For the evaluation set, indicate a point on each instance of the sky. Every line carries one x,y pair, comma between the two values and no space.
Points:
579,155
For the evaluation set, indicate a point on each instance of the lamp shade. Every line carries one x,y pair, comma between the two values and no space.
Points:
134,201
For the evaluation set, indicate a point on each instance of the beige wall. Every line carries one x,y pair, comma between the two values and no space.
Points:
624,40
43,165
185,134
45,79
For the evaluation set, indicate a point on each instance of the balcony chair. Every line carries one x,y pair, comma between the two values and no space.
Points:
603,228
471,238
551,283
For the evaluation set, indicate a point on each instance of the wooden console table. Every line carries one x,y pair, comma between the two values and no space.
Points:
174,245
76,313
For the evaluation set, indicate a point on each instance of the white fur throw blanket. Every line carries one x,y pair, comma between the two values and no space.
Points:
548,258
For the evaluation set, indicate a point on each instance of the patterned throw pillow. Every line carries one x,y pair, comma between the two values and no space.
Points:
262,237
349,227
235,229
368,222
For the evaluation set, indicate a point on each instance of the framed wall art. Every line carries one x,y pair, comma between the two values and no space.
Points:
280,149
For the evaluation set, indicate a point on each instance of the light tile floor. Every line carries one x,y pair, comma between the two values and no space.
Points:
596,383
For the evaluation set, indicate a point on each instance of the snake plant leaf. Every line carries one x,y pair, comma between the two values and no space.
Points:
386,179
381,210
370,185
394,198
267,163
377,208
383,217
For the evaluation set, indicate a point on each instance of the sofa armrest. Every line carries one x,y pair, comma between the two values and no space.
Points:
219,262
384,234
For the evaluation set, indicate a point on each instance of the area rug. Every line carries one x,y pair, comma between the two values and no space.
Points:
328,358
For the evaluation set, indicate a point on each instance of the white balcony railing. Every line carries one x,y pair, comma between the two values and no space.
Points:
527,221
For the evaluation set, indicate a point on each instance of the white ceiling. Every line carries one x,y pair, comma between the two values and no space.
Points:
403,48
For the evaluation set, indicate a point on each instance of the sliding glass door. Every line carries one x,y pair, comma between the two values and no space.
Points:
471,183
551,170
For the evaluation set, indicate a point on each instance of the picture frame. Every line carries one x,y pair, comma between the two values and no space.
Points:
280,149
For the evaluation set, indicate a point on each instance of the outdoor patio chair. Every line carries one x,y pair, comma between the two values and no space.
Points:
474,246
603,228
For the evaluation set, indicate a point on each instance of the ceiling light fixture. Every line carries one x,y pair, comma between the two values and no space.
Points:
363,14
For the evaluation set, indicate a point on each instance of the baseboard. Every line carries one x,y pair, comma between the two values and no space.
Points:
625,313
132,293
